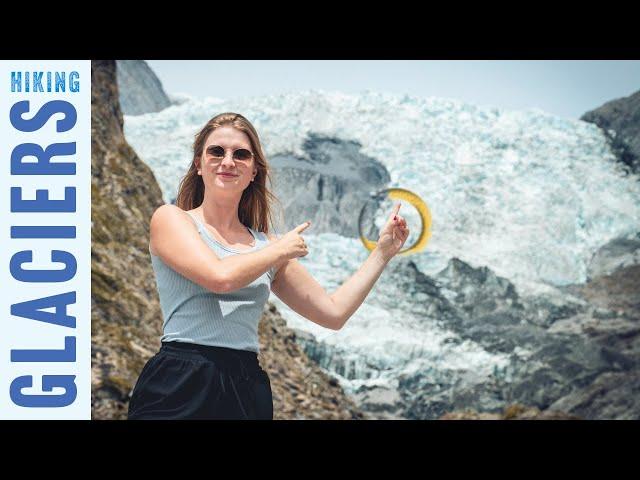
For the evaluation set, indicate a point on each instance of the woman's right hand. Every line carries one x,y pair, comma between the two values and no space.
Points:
291,244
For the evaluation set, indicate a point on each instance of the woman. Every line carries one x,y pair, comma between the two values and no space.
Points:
215,263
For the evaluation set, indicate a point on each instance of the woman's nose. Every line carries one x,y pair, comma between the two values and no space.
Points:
228,160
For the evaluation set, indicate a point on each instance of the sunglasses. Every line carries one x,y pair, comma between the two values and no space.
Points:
217,153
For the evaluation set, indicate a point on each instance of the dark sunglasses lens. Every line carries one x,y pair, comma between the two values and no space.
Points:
217,151
242,154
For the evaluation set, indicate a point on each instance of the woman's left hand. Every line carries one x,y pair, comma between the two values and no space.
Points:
393,235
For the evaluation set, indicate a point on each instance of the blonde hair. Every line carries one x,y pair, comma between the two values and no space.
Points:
254,210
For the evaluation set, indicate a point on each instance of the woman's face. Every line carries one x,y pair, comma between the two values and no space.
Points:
225,141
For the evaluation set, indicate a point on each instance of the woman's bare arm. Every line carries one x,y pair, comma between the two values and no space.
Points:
295,286
175,239
303,294
352,293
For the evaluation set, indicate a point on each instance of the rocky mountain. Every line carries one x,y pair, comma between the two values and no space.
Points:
512,412
125,312
620,121
572,354
124,305
581,352
614,294
140,90
331,177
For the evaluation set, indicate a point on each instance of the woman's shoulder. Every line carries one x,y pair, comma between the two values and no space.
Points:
166,220
169,212
169,207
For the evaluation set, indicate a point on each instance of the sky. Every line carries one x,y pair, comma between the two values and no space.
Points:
566,88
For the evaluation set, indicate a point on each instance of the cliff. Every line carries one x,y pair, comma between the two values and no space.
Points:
620,121
331,181
140,91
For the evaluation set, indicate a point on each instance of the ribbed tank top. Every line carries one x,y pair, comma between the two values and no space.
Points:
194,314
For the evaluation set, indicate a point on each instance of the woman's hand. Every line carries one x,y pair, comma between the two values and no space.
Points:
291,244
393,235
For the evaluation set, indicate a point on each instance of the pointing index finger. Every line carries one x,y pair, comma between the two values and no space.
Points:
300,228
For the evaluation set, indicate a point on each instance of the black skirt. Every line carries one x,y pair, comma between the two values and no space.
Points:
192,381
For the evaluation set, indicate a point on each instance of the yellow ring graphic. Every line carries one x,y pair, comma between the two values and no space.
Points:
420,206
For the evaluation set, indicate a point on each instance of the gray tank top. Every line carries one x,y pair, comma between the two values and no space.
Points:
194,314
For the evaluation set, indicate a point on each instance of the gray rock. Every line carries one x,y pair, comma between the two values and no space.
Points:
620,121
139,88
554,354
380,402
479,291
327,185
614,255
612,395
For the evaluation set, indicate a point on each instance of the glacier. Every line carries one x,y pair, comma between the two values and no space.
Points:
530,195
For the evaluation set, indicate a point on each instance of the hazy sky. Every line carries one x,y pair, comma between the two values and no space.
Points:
567,88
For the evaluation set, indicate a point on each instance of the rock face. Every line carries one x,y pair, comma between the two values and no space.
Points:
512,412
574,353
620,120
616,254
334,177
615,325
140,89
125,311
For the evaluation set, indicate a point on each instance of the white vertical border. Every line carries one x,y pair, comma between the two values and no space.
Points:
22,333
